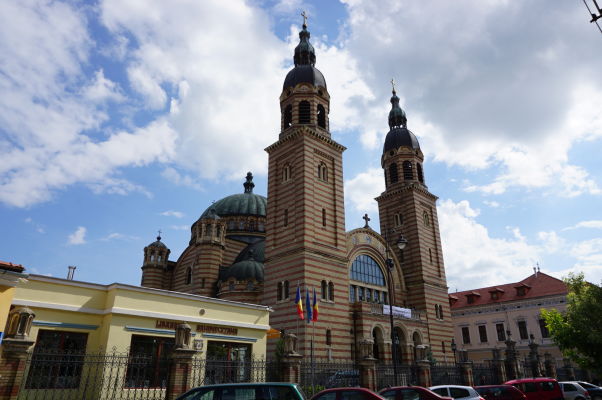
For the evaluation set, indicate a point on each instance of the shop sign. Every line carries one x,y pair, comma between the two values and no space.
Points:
224,330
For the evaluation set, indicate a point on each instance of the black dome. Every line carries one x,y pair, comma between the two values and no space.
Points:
304,74
398,137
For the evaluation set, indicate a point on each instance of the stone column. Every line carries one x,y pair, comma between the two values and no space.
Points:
465,368
367,365
534,357
498,366
424,373
15,350
291,361
512,370
179,380
550,366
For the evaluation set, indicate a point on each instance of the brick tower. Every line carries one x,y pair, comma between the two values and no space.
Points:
155,263
406,207
305,229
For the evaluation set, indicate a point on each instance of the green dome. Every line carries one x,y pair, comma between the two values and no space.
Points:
246,203
245,270
255,250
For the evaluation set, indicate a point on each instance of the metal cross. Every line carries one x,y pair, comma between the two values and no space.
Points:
393,84
305,17
159,232
365,218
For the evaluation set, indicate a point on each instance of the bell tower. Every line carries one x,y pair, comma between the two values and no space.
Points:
305,230
407,207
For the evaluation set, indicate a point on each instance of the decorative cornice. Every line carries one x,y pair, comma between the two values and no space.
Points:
407,187
304,131
65,325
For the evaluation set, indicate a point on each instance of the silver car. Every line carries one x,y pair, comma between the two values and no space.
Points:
574,391
457,392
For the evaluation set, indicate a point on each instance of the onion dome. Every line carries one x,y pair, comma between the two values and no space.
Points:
158,243
399,135
305,59
258,250
246,203
248,269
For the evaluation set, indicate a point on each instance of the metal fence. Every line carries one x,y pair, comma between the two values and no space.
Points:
484,374
321,374
446,374
406,375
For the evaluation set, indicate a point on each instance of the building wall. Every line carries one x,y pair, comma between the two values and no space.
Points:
509,314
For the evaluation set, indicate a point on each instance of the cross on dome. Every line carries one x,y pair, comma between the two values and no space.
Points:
365,218
305,17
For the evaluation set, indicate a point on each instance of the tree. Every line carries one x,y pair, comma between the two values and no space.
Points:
578,330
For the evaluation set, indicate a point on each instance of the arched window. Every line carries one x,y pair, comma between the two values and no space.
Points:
398,219
330,291
440,311
322,172
208,230
321,116
286,289
188,275
407,171
328,337
323,217
393,177
279,291
288,116
366,269
286,173
377,336
324,290
426,219
304,112
286,217
419,172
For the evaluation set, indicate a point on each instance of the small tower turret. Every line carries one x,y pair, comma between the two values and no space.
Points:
156,257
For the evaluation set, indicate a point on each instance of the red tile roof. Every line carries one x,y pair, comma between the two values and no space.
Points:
536,285
11,267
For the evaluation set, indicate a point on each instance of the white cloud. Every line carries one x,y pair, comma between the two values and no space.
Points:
180,227
492,204
77,237
361,190
103,89
475,259
172,213
505,92
594,224
118,236
39,228
176,178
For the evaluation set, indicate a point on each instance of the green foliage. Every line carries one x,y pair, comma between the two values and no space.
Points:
578,330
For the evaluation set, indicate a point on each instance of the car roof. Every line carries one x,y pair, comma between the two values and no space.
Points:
248,384
494,386
450,386
531,380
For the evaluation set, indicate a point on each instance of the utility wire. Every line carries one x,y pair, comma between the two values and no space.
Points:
594,16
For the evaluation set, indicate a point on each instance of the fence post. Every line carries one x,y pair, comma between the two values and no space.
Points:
570,371
512,369
550,365
15,349
534,357
291,361
466,368
424,373
367,365
180,367
499,367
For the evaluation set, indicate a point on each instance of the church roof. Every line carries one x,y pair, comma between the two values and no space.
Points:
305,61
536,285
158,243
245,270
399,135
246,203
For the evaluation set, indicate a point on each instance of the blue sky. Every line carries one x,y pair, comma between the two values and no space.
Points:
122,117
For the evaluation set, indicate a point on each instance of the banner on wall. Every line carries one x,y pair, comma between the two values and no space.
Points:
397,311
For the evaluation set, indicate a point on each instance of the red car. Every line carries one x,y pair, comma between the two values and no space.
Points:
538,388
347,393
500,392
411,393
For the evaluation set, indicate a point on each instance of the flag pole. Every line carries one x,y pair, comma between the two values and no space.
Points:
297,330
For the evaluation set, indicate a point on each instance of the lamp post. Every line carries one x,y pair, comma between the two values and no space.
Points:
454,347
401,244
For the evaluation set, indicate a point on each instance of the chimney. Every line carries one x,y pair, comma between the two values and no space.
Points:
71,272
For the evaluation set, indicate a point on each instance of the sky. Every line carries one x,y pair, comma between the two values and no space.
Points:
119,118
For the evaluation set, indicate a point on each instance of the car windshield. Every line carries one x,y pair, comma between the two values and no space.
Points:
588,385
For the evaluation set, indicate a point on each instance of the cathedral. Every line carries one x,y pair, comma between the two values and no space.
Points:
248,249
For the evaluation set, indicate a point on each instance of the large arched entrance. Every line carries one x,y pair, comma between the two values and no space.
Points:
399,344
378,346
417,340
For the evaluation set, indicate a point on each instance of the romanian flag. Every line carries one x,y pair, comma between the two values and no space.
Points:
308,305
299,303
314,311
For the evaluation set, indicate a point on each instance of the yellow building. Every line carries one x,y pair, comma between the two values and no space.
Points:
126,334
10,275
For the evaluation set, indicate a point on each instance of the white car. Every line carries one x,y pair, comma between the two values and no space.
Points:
457,392
574,391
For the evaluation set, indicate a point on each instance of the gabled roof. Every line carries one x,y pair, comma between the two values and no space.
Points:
536,285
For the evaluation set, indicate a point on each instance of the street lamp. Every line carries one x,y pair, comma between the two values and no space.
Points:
454,347
401,244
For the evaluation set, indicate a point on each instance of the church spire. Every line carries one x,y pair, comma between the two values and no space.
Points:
249,185
304,52
397,118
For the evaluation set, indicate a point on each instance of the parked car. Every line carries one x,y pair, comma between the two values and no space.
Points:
410,393
538,388
457,392
246,391
574,391
500,392
346,393
594,391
